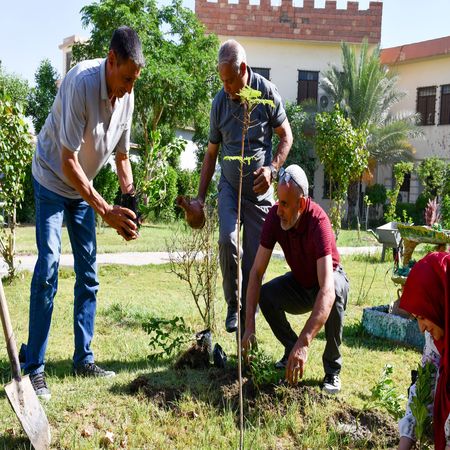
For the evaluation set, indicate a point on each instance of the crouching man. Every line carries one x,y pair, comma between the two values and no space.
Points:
316,283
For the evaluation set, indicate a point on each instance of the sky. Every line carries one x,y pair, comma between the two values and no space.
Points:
31,30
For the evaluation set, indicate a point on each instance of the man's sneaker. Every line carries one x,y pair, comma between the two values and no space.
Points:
331,383
231,322
40,386
92,370
282,363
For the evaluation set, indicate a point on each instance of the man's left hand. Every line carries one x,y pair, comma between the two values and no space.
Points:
296,364
263,179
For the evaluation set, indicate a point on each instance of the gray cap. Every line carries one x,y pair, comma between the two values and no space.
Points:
299,176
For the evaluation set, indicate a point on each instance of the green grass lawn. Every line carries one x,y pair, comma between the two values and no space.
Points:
82,411
153,239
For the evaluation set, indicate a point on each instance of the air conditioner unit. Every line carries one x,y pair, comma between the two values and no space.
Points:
324,101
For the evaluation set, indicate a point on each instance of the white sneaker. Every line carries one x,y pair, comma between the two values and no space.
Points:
331,383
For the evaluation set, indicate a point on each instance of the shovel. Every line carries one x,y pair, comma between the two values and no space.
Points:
19,390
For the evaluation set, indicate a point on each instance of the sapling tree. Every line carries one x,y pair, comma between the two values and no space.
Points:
15,154
197,264
385,395
342,150
250,99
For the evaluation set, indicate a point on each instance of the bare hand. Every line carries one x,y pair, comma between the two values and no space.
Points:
122,220
296,364
406,443
263,179
248,341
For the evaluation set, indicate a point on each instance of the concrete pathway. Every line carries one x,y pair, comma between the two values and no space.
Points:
27,262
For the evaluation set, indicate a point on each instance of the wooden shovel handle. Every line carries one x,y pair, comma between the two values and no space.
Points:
9,335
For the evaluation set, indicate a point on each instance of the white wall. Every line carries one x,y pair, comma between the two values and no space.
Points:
416,74
286,57
435,141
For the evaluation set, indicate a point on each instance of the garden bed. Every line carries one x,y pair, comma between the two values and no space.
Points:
377,321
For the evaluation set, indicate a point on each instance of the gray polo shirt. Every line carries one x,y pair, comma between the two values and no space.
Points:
82,120
226,129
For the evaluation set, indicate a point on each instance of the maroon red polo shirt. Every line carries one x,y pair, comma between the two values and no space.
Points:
311,239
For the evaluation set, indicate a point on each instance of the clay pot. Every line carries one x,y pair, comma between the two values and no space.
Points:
193,211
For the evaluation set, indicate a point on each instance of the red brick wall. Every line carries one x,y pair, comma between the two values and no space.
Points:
289,22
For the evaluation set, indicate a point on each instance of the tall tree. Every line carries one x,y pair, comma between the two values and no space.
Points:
179,79
15,154
40,98
342,150
13,87
366,91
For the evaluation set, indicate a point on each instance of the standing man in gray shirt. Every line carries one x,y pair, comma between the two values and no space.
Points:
257,192
89,120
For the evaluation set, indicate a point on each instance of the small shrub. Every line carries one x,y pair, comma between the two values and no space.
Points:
26,212
376,194
384,395
167,336
432,215
106,183
165,211
262,368
423,398
187,185
445,211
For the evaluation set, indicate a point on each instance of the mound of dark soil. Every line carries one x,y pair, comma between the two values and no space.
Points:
355,429
195,357
163,396
364,429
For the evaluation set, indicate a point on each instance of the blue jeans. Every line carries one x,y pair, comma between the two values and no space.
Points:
51,209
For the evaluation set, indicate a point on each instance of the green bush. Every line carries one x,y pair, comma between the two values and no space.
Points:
432,173
165,211
445,211
376,194
26,212
106,184
408,212
187,184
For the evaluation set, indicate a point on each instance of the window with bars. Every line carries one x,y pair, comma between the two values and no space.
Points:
263,71
444,117
308,83
426,104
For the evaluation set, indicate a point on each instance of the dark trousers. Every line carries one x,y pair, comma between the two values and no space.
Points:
253,215
285,295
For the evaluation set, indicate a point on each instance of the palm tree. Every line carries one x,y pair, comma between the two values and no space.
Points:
366,91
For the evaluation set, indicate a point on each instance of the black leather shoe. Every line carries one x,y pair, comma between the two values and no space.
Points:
231,322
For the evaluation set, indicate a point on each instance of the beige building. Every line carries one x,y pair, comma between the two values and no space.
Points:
293,45
66,48
424,75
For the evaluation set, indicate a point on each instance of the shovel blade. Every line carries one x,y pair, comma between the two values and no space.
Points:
29,410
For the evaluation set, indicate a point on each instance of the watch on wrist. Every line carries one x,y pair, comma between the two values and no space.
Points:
273,172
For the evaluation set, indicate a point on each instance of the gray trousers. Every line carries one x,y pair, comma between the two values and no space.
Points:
285,295
253,214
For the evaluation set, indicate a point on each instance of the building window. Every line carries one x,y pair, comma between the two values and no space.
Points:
405,187
426,105
264,72
68,60
444,118
308,83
